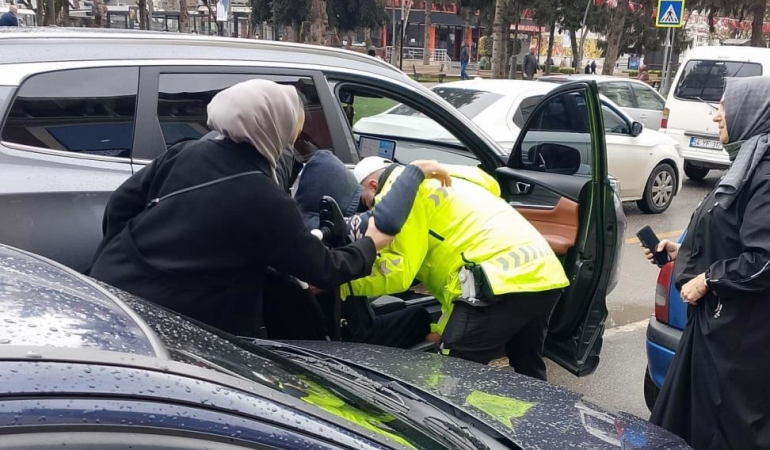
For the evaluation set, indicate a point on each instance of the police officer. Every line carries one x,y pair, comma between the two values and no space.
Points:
494,274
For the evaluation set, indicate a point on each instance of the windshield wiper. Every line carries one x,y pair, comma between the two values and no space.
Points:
704,101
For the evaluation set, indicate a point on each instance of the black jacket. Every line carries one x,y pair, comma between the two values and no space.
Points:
716,393
204,253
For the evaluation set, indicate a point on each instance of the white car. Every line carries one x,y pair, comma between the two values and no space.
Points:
636,98
647,164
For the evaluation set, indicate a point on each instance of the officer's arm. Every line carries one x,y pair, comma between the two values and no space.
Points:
397,265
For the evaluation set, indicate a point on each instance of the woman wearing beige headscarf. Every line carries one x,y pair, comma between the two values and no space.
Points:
196,229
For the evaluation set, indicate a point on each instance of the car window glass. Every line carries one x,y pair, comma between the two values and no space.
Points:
183,98
613,122
706,79
619,93
417,136
558,139
470,102
84,111
646,98
524,110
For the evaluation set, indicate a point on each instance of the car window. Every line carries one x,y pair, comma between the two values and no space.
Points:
470,102
619,93
613,122
417,136
183,98
702,79
85,111
558,139
647,98
524,110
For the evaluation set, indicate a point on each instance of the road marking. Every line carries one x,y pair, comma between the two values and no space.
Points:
627,328
667,234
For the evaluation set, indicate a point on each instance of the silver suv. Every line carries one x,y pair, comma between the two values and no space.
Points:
81,110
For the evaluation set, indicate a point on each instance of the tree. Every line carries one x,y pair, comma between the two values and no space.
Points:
349,15
319,21
498,44
758,22
614,35
100,13
184,17
291,13
426,39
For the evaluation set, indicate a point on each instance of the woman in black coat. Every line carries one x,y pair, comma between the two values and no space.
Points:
716,394
196,229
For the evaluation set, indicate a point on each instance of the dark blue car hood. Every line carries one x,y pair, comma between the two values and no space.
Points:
535,414
47,306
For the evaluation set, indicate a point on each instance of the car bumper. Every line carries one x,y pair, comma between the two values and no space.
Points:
710,159
662,342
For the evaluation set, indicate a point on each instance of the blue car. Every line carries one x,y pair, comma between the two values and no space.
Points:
663,332
84,365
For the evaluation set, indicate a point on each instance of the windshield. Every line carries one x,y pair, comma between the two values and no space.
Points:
210,348
470,102
703,79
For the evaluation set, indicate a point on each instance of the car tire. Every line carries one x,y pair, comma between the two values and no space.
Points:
651,390
660,190
695,173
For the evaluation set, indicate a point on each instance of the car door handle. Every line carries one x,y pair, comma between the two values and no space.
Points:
522,187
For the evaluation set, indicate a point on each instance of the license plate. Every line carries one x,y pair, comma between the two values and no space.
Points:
705,143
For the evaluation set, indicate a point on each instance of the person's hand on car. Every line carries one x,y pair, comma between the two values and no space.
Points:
670,247
381,240
433,169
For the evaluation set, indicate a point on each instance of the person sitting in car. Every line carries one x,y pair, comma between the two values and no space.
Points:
195,230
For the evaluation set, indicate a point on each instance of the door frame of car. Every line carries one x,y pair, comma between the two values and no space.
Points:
577,348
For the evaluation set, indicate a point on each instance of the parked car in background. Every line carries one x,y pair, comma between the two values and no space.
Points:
646,163
636,98
663,332
694,98
84,365
83,109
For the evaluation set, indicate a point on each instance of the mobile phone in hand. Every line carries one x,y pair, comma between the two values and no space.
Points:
649,239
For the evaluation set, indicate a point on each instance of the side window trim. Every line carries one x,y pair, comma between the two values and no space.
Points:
487,160
65,153
149,103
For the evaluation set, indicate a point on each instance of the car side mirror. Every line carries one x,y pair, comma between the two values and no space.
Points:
636,129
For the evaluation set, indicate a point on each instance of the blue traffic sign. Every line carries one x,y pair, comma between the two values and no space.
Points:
670,14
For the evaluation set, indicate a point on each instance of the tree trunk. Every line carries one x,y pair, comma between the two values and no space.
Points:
426,44
100,13
549,53
184,17
498,40
39,12
756,25
143,22
318,21
618,24
712,28
295,32
65,13
575,52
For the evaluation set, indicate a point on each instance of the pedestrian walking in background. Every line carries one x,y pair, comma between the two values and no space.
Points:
716,394
530,64
464,59
9,19
593,67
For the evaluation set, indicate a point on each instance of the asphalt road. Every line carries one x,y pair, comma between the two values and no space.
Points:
617,383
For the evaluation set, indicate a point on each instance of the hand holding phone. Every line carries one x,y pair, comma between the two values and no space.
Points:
650,240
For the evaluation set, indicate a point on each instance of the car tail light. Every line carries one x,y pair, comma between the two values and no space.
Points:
664,119
662,290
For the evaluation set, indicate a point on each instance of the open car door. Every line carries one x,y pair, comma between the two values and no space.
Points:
556,177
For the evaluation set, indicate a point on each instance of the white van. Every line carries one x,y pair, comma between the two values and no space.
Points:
694,98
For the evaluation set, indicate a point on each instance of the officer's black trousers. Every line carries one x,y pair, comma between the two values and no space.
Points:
514,325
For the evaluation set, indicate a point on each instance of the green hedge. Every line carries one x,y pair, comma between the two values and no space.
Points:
567,70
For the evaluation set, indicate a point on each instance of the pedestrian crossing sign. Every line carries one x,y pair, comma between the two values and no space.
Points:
670,14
